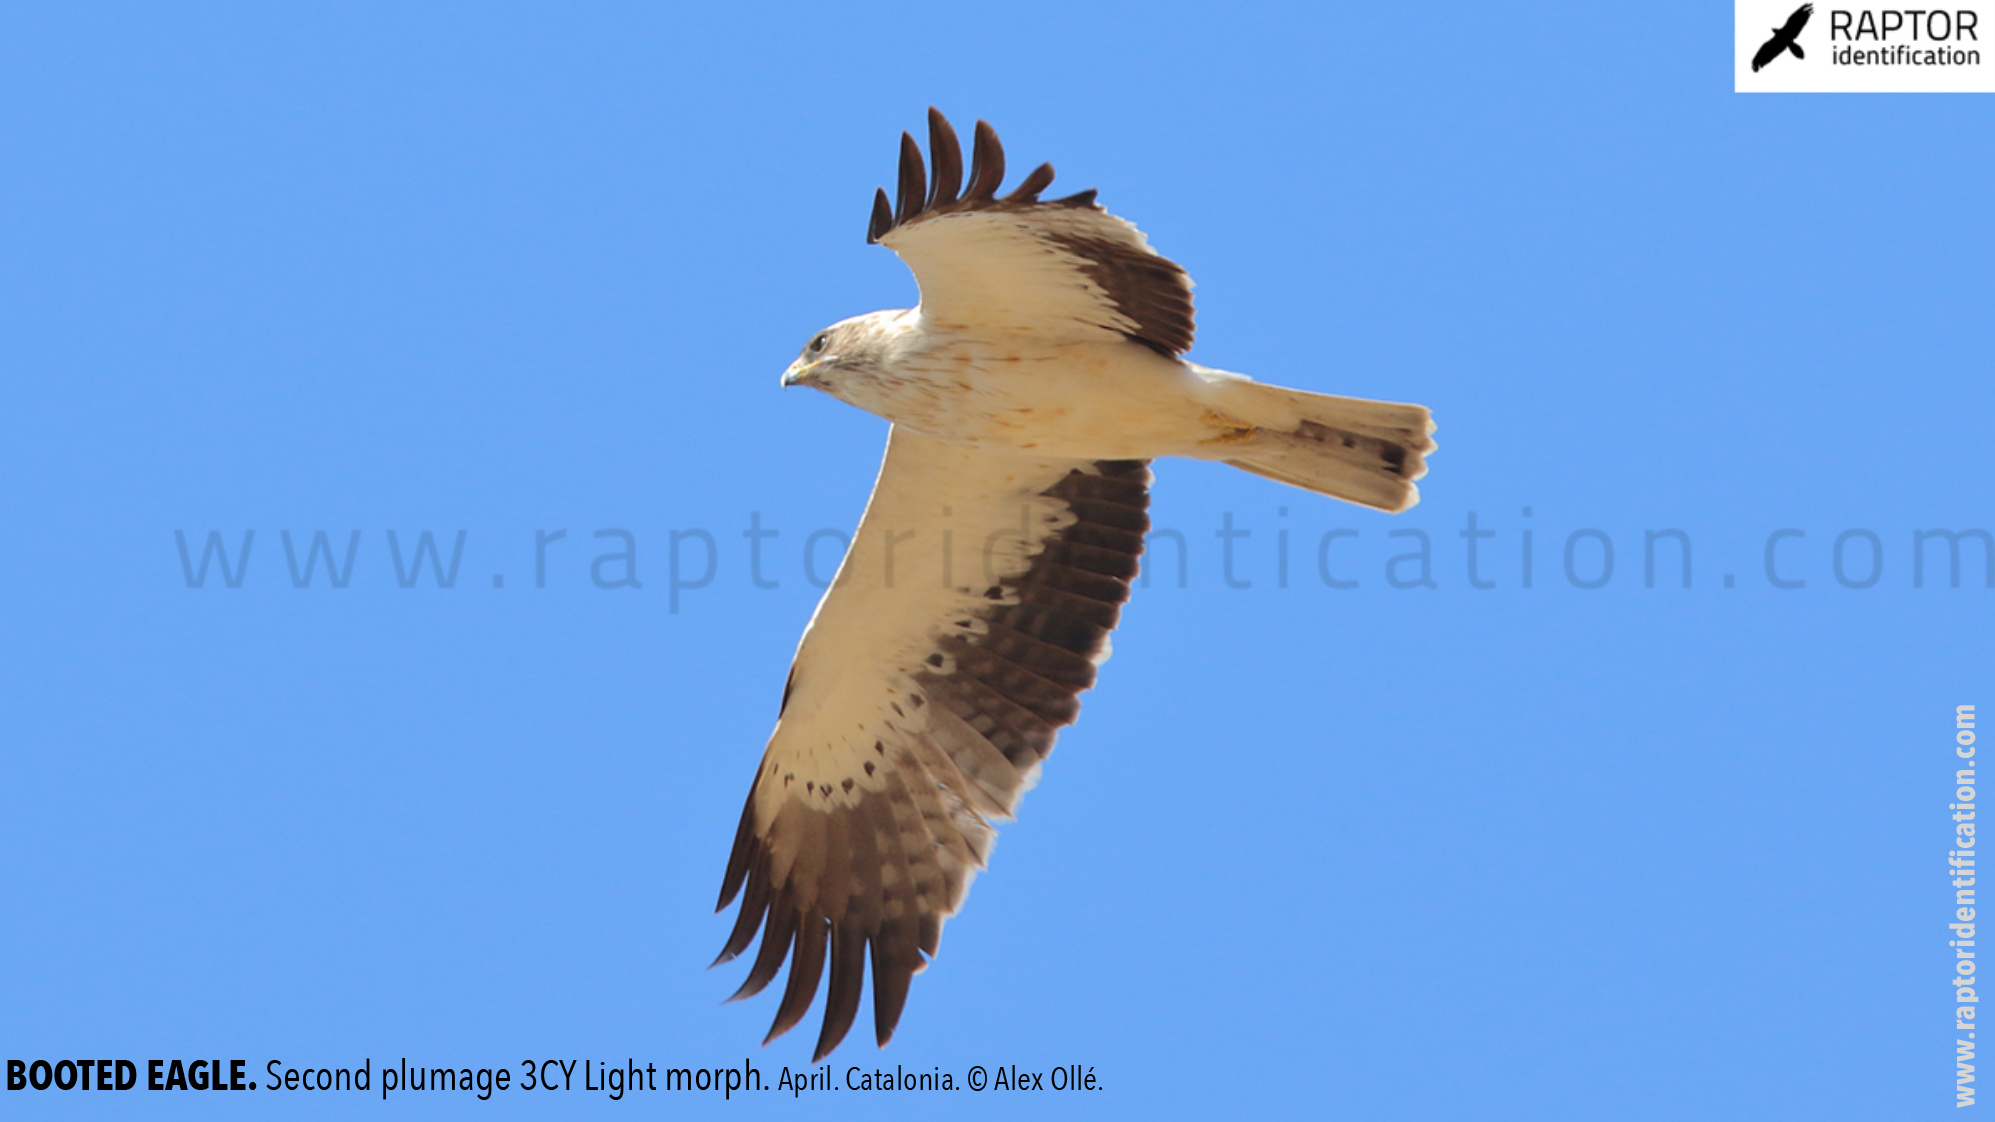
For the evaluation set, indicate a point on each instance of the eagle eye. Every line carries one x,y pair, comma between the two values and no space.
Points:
817,344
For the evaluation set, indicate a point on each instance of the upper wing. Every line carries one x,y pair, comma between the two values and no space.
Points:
1062,268
1796,22
971,610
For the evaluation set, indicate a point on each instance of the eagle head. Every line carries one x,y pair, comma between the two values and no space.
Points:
847,359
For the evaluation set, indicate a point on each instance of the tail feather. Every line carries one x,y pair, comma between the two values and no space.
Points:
1367,452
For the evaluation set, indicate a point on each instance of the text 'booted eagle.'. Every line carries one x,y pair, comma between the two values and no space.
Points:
1028,393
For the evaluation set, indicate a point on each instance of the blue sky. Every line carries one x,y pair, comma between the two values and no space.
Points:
1373,852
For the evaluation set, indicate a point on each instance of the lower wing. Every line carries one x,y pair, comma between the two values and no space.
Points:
972,609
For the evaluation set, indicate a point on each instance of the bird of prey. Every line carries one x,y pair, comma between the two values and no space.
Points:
1028,392
1786,37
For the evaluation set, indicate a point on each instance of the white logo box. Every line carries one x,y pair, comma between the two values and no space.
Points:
1864,48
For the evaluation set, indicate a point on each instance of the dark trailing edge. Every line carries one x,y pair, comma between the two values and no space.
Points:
999,696
1144,286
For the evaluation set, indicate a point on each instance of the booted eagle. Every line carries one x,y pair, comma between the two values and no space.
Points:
1027,394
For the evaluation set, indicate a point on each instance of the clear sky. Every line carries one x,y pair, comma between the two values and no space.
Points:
1403,850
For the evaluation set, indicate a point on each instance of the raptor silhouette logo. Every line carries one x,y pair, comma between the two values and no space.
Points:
1786,37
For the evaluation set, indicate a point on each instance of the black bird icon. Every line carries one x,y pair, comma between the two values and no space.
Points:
1785,38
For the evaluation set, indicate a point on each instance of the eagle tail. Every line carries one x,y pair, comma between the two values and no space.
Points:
1366,452
1796,48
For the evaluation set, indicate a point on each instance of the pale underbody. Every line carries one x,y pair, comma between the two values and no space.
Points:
1006,389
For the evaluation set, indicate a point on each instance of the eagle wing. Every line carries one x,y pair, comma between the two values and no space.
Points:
971,610
1062,269
1768,51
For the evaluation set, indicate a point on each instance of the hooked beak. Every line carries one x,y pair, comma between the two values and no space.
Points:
799,374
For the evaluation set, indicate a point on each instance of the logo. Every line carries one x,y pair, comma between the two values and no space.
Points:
1855,47
1786,38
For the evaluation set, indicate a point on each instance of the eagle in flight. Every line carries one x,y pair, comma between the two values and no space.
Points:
1028,392
1786,37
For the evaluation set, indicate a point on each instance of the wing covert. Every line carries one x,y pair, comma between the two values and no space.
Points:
972,609
1058,268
